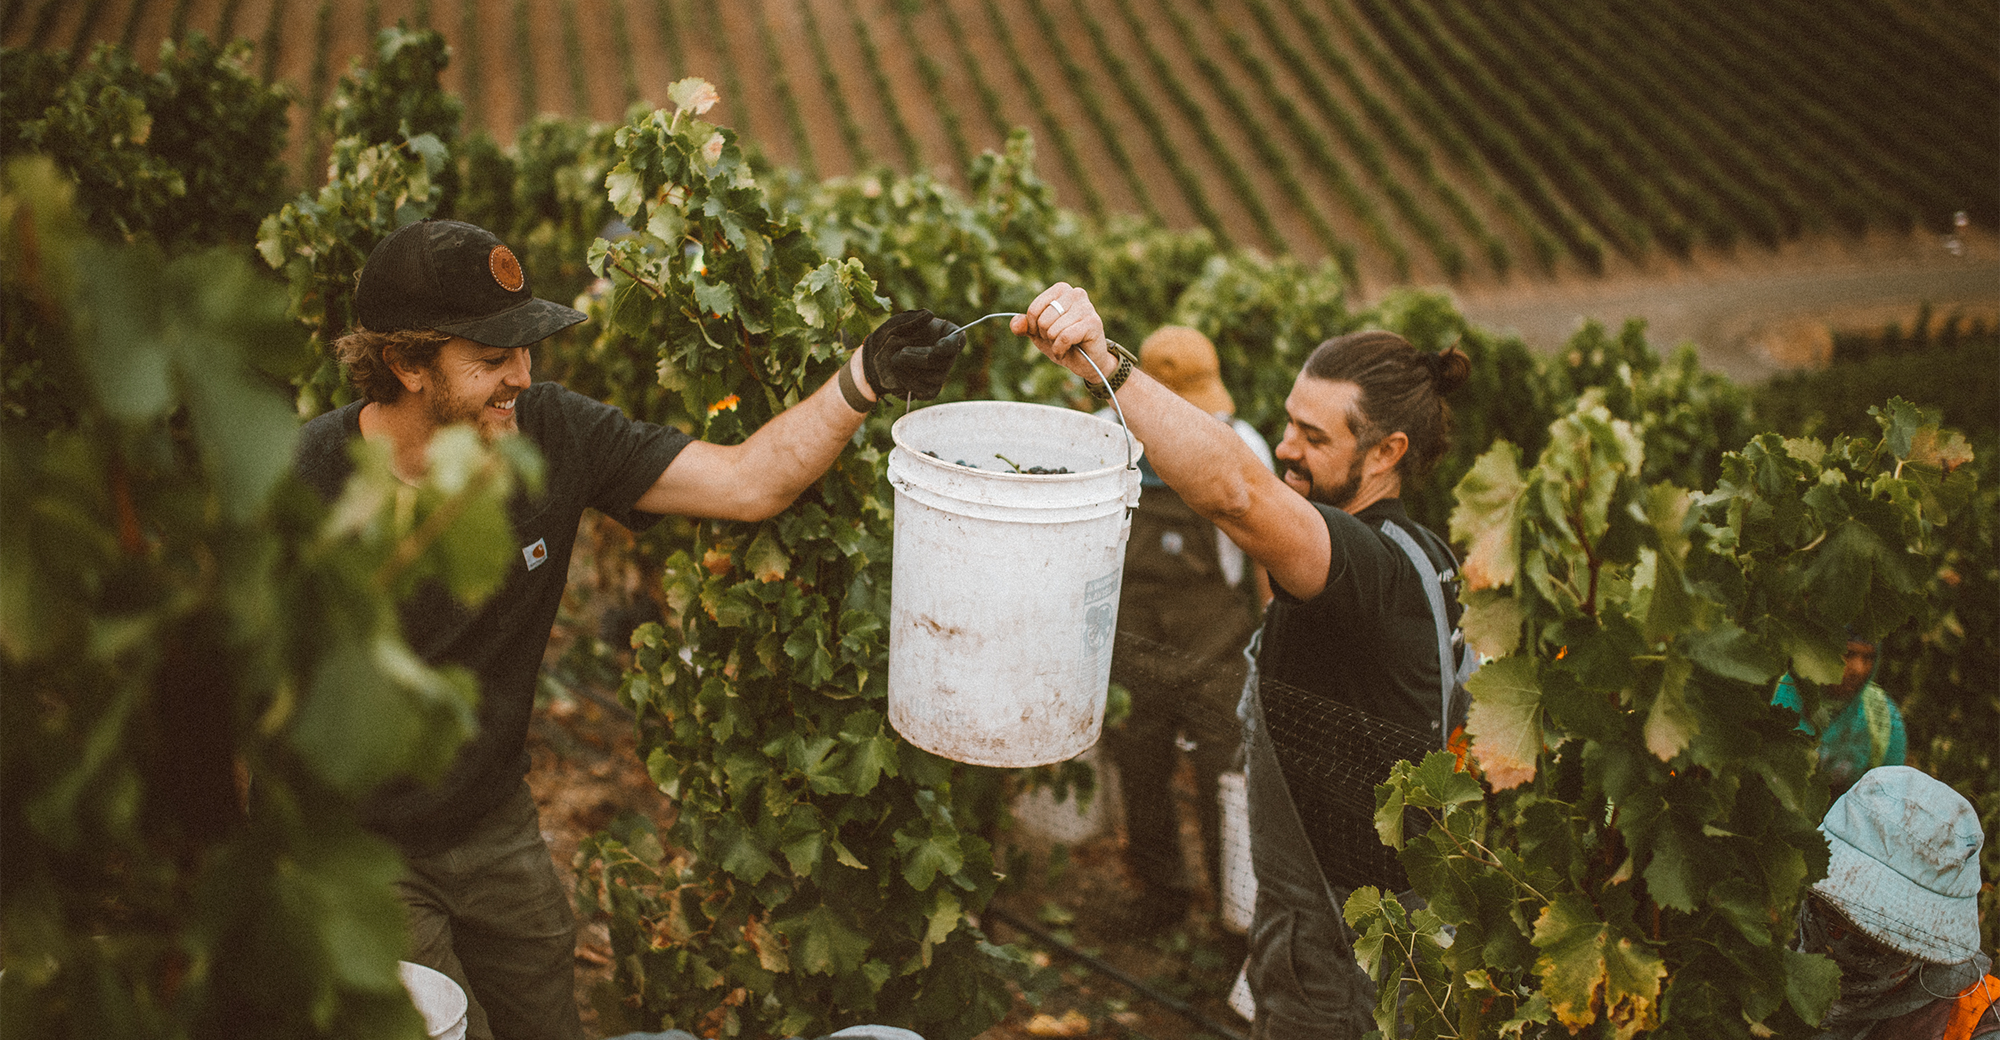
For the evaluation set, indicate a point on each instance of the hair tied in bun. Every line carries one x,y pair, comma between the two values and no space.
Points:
1449,369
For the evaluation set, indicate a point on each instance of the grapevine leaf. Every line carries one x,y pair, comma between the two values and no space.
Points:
719,300
769,948
1671,723
825,944
1487,517
1492,622
1671,875
925,858
1812,981
1732,653
1583,963
742,855
1505,721
766,558
693,94
1944,449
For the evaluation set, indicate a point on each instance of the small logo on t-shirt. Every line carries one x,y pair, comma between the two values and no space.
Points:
536,554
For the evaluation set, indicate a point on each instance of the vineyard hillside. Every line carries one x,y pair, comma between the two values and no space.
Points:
1470,143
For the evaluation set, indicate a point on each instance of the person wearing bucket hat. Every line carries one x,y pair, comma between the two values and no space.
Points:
1359,661
447,319
1898,911
1187,606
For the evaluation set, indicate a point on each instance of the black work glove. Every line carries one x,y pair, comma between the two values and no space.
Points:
910,354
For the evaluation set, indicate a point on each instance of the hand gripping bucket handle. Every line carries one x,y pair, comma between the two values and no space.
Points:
1130,462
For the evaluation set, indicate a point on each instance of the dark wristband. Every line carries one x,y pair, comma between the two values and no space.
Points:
852,393
1118,377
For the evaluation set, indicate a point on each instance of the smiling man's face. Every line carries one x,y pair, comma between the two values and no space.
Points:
477,384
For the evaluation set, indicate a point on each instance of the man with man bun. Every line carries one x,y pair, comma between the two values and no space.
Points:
1362,624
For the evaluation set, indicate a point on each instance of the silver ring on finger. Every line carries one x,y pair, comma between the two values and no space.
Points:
1060,309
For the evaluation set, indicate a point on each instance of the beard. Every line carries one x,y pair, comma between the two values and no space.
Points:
1337,495
454,408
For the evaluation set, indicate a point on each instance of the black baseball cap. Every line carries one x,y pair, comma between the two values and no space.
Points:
457,278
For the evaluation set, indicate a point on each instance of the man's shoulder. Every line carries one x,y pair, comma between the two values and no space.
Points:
321,456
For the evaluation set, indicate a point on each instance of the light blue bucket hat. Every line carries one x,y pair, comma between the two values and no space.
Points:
1905,864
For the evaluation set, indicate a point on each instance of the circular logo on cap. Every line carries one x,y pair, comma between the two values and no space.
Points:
506,270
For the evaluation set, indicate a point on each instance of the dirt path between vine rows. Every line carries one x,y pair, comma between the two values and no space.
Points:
1753,316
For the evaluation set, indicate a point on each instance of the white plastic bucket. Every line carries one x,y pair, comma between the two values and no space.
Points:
1005,585
1239,880
438,999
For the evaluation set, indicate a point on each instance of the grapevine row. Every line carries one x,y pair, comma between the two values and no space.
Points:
1142,105
781,84
1821,186
273,45
1419,102
871,58
628,68
1085,87
1093,202
1510,128
1219,152
850,131
1318,150
1718,200
1505,154
526,91
1598,168
989,97
933,77
575,60
1738,141
670,36
733,95
471,62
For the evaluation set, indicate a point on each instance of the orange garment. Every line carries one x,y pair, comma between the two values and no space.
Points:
1970,1007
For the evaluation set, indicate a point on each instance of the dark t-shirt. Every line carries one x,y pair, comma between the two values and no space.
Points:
1349,684
1368,639
594,456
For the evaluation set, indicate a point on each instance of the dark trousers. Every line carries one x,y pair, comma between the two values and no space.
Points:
491,913
1303,974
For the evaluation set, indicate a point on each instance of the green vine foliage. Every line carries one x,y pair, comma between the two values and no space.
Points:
829,867
191,154
201,662
1637,864
399,95
319,242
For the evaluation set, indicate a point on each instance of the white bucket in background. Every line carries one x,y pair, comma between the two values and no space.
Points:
1239,880
1040,818
1005,585
438,999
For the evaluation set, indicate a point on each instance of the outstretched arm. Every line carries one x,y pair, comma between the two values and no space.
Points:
1214,472
910,353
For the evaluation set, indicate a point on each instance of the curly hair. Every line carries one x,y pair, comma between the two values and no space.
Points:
366,355
1402,389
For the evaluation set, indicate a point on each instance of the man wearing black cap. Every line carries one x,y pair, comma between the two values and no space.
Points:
446,322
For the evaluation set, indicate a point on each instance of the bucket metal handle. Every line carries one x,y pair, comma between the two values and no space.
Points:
1130,463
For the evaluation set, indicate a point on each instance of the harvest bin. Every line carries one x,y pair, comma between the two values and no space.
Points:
1004,594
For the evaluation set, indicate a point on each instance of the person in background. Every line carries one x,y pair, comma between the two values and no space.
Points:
446,322
1864,727
1187,607
1362,622
1898,911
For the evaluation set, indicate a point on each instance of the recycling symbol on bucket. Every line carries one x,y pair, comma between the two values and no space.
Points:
1097,626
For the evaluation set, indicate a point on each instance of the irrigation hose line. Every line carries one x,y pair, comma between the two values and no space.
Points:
1172,1003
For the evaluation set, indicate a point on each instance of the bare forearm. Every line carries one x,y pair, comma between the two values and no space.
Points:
758,478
